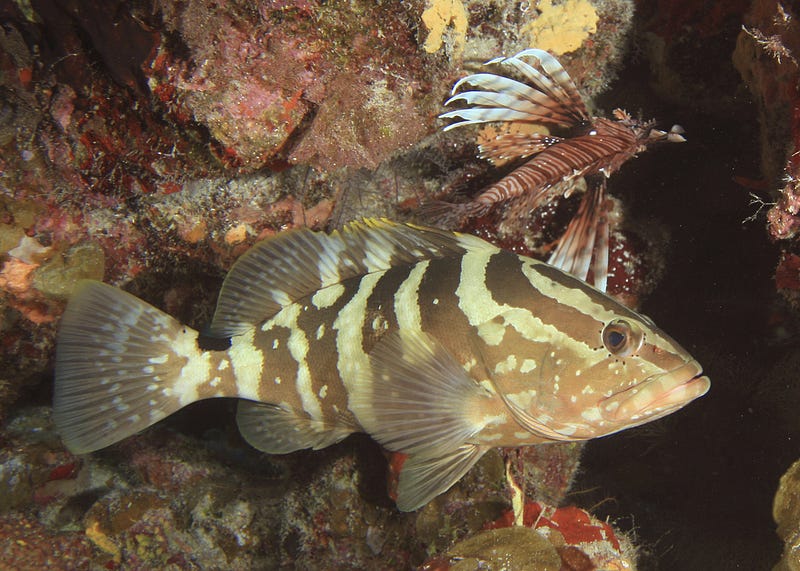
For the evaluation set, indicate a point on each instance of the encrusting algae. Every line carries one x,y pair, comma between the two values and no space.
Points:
440,15
561,27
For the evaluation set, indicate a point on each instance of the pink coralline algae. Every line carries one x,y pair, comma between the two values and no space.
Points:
783,219
339,137
314,83
36,547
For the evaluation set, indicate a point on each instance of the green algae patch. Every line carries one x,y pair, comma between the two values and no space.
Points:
509,549
59,276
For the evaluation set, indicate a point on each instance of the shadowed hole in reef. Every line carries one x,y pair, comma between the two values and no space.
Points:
213,423
696,487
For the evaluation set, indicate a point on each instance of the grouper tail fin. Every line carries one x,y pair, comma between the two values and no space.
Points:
121,366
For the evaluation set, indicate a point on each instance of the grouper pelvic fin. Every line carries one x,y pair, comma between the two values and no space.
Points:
422,478
278,271
275,429
120,365
417,399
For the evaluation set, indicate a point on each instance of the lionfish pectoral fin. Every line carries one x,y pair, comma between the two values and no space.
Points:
277,430
116,371
550,96
416,398
503,94
577,246
422,477
481,115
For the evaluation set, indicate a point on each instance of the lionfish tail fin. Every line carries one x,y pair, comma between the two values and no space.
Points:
674,135
585,239
646,129
549,98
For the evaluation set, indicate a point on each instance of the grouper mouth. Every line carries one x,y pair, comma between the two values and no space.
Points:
657,395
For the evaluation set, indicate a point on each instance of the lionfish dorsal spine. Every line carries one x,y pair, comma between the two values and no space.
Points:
550,97
553,80
504,99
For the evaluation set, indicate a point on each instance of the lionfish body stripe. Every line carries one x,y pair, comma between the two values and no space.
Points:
437,344
603,149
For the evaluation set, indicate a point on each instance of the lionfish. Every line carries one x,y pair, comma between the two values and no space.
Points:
594,147
437,344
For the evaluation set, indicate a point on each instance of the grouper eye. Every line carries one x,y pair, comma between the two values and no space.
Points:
622,338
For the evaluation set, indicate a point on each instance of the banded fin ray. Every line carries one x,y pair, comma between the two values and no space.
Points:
475,115
505,99
276,272
417,398
449,215
275,429
555,81
601,255
550,98
116,367
422,478
586,239
497,99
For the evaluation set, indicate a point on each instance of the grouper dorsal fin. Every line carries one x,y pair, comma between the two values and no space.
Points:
280,270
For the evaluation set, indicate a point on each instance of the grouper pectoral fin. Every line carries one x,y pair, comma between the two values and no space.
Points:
417,399
275,429
422,478
278,271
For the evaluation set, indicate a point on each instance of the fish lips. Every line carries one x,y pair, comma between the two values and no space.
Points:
657,395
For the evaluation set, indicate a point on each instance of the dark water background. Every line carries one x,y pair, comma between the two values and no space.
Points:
701,482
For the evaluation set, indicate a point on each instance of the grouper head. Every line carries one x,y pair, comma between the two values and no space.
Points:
584,365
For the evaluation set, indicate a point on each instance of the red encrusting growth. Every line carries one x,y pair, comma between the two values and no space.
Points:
396,461
787,275
576,525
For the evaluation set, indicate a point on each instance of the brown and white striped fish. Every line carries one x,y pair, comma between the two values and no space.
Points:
591,146
437,344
